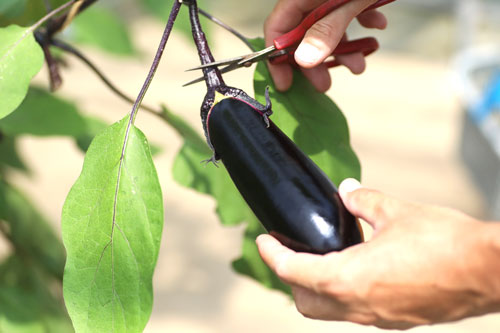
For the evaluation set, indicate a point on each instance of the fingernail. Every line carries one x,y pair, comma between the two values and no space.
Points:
348,185
308,53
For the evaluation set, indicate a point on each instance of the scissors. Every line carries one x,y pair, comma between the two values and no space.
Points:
283,48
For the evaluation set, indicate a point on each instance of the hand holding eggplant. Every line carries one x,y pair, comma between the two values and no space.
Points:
424,264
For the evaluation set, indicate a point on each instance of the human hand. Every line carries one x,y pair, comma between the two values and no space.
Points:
320,40
424,264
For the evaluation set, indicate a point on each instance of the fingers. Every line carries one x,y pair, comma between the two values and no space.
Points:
374,207
300,269
355,62
372,19
319,77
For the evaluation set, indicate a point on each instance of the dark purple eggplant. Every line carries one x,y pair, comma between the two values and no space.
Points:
293,199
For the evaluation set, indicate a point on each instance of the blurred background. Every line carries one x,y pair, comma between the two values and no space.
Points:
412,122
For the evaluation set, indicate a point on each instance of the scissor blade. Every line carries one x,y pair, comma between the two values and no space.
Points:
257,56
218,63
226,69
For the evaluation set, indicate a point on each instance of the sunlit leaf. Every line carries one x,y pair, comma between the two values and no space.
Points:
21,58
112,222
102,28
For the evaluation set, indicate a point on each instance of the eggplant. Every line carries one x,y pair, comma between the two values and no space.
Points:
290,195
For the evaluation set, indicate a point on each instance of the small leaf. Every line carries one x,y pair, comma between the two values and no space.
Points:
44,114
21,58
29,232
112,222
103,28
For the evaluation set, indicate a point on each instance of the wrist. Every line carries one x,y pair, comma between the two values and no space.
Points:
490,253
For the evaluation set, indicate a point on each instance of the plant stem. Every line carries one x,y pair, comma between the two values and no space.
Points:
156,61
236,33
72,50
51,14
213,77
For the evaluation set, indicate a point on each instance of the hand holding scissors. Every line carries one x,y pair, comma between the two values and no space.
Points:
284,46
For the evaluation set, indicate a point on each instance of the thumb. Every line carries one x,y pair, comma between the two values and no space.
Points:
323,37
376,208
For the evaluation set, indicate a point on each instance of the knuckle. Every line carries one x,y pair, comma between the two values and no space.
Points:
324,30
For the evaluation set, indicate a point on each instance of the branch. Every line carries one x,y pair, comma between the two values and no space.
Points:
72,50
236,33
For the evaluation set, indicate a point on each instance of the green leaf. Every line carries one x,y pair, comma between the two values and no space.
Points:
103,28
24,12
21,58
190,169
93,126
162,8
251,264
312,120
231,207
29,303
29,232
44,114
112,222
8,154
12,7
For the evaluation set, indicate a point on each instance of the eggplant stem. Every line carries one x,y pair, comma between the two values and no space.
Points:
213,77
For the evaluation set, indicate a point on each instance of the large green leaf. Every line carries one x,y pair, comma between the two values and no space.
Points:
312,120
29,232
21,58
112,222
44,114
29,303
103,28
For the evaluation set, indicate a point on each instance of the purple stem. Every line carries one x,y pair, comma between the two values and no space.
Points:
213,77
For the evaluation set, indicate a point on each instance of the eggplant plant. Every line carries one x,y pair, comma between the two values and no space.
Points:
113,217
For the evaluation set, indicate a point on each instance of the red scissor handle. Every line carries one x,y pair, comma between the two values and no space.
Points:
366,46
295,36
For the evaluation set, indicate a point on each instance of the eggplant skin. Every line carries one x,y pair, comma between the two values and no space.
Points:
289,194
